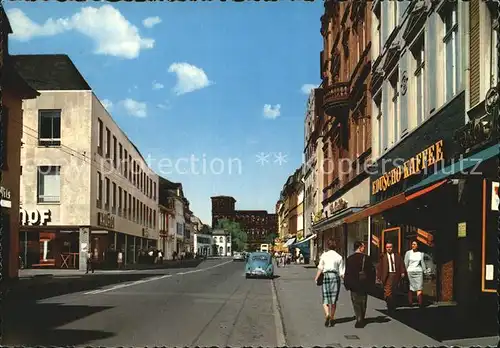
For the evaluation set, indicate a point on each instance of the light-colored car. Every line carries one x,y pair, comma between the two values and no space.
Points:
259,264
237,256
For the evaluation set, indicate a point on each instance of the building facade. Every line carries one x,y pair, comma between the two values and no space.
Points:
85,187
313,161
222,241
346,127
259,225
14,90
437,144
203,244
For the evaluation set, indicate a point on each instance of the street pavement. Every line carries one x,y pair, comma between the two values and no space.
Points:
300,304
209,305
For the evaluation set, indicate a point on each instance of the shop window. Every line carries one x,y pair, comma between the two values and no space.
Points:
49,184
49,127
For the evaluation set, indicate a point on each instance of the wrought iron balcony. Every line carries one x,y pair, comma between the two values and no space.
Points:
336,98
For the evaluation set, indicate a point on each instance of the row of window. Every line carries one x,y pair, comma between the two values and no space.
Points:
123,161
120,202
49,130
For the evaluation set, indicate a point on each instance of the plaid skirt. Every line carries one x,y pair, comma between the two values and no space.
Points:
331,287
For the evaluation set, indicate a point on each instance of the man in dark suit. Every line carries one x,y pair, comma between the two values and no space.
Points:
391,269
359,278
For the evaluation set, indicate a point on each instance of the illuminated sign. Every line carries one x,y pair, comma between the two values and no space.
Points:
428,157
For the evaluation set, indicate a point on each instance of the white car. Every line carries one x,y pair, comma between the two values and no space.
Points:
237,256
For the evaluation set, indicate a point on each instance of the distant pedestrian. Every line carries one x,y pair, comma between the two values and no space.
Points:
120,259
330,269
391,270
90,263
415,267
359,279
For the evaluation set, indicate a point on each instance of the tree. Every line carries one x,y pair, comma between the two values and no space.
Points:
238,235
271,237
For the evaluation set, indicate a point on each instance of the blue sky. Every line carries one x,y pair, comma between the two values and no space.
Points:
218,64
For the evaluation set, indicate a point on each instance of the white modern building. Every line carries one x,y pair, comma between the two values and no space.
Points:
85,187
203,244
222,241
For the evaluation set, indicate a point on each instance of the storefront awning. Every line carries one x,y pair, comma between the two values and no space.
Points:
289,242
457,167
392,202
304,240
336,219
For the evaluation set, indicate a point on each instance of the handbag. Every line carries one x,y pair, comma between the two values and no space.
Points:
362,274
319,282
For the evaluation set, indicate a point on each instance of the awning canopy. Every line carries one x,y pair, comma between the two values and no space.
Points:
457,167
304,240
289,242
336,219
391,203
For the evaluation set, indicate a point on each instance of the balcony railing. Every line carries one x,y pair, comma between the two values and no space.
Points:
336,98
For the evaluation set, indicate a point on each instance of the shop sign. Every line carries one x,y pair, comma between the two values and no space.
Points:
428,157
495,198
35,217
462,230
106,220
338,205
5,197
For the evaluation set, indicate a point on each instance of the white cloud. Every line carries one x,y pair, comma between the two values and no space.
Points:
163,106
111,32
108,104
157,85
189,78
151,21
306,89
134,108
271,112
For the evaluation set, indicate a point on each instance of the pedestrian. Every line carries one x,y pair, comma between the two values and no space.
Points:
359,279
120,259
90,263
391,270
415,267
330,269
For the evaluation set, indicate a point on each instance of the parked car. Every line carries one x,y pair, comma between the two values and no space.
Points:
237,256
259,264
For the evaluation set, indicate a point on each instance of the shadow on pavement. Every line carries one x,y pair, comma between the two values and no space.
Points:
37,288
35,324
444,323
377,320
345,320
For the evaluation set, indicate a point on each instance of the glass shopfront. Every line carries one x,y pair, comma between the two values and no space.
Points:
49,249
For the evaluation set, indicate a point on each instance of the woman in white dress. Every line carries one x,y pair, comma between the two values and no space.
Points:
331,268
415,266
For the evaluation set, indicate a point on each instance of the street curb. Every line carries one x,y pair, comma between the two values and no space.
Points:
279,323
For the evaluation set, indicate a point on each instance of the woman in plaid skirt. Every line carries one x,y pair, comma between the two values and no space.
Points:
331,266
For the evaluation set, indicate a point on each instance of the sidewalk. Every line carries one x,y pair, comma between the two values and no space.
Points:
303,318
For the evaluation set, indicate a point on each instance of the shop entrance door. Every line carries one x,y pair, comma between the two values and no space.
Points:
392,235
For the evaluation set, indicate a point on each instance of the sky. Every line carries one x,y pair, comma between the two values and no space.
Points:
213,94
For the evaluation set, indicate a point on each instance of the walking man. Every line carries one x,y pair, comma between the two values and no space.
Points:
359,278
90,263
391,269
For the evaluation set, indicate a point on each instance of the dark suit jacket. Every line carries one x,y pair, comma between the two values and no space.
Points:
383,267
353,266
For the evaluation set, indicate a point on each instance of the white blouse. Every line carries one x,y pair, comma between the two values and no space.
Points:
331,261
414,261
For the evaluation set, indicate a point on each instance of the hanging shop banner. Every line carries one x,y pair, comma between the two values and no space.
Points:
495,198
